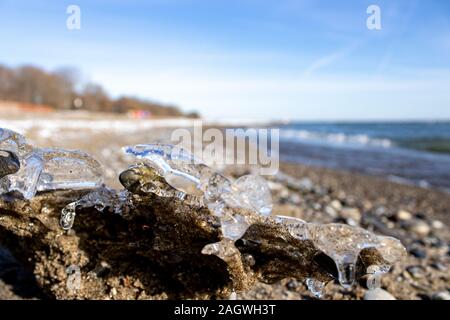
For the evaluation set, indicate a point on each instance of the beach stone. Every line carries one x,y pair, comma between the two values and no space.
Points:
295,198
436,224
378,294
380,211
329,210
293,284
420,228
306,184
351,213
439,266
336,204
433,241
443,295
418,253
404,215
416,271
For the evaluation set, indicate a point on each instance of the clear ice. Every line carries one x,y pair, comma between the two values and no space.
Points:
100,199
343,244
27,170
64,169
185,173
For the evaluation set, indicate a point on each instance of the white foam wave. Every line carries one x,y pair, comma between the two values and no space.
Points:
334,138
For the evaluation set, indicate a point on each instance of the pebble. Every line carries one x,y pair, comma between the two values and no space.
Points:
292,284
378,294
351,213
418,253
421,228
306,184
443,295
436,224
275,186
439,266
329,210
380,211
284,194
295,198
336,204
403,215
433,241
415,271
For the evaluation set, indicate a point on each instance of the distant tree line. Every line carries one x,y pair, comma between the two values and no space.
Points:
61,90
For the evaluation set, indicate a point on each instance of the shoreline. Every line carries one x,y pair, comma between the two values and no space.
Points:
432,201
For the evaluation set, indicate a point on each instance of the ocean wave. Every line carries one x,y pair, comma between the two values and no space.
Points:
334,138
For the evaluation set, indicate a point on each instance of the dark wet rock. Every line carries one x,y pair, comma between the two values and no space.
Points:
418,253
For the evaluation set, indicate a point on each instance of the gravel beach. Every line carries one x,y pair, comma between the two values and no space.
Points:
419,217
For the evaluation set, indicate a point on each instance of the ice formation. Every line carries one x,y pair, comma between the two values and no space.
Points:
27,170
100,199
342,243
185,173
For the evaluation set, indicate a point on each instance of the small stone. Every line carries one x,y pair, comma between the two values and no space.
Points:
443,295
418,253
415,271
351,213
420,228
305,184
403,215
292,284
380,211
295,198
433,241
378,294
439,266
329,210
336,204
436,224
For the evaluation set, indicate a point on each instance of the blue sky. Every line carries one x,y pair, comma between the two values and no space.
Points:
296,59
